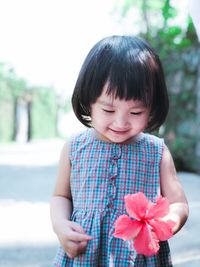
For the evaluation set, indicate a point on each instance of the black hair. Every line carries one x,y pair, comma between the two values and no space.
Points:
132,70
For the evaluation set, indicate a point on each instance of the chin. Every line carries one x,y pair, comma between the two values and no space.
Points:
119,140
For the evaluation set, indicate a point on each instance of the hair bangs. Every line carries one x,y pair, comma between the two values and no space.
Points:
133,82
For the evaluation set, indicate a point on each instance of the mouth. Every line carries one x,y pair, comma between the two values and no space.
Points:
120,132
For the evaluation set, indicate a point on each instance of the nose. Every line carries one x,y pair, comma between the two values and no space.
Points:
121,122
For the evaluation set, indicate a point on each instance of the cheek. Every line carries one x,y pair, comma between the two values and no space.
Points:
146,121
141,123
98,119
102,120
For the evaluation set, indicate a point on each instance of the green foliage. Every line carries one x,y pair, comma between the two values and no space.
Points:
168,11
6,120
127,5
178,49
44,113
42,100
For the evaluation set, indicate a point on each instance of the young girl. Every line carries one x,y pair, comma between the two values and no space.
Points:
120,94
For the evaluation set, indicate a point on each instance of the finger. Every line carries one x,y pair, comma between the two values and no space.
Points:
72,249
75,248
78,237
78,228
82,246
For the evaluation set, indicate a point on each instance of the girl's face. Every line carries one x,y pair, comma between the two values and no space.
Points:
116,120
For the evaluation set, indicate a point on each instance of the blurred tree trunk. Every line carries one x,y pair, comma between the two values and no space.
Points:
146,17
15,119
198,121
29,116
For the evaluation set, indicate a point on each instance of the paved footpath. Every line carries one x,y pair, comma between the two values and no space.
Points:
27,176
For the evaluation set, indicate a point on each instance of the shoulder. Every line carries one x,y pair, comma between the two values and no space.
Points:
153,141
68,147
167,159
80,141
81,136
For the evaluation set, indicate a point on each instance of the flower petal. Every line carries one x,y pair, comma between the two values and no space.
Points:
136,205
126,228
163,229
159,209
146,242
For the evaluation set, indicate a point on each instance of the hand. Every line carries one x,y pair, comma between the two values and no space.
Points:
72,237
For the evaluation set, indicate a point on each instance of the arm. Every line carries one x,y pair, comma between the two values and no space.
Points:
71,235
171,189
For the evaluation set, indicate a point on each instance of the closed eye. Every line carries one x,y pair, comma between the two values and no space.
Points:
108,111
136,113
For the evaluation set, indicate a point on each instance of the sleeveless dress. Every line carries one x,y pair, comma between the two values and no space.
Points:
102,174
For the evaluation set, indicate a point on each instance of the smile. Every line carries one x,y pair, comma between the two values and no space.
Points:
119,132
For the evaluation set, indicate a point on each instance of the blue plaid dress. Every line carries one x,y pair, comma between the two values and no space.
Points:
101,175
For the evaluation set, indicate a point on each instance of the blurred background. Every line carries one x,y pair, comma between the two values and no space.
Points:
42,46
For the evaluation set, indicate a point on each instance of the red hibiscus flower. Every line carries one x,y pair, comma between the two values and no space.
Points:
147,228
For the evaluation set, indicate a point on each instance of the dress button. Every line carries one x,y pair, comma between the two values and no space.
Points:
113,162
116,152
